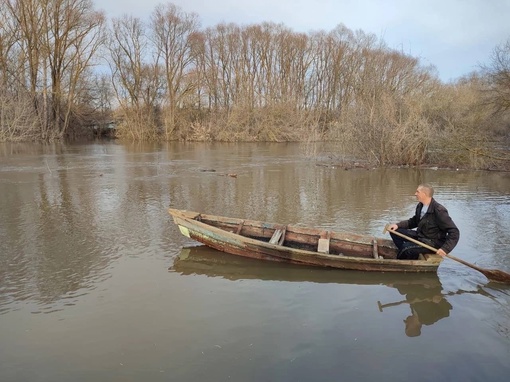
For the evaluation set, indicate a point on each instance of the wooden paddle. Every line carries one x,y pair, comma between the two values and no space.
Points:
491,274
416,300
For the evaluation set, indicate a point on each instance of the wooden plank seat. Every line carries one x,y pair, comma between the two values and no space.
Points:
375,252
278,236
239,227
323,244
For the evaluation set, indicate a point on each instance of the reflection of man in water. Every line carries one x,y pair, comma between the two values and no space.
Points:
427,305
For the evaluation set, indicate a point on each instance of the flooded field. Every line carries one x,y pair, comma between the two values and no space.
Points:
96,282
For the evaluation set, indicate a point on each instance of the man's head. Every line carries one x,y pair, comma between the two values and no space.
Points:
413,326
424,193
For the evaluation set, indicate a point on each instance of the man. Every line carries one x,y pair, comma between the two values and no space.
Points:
433,224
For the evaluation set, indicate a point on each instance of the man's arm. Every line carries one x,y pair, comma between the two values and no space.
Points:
446,224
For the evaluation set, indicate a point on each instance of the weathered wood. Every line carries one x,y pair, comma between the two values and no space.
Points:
278,236
282,237
374,249
201,260
323,245
240,227
295,244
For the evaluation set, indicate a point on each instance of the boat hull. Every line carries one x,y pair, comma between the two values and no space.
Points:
348,251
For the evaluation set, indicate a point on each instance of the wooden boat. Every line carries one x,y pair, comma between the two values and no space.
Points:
298,245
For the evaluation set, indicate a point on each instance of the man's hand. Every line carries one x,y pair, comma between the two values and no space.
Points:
393,227
441,252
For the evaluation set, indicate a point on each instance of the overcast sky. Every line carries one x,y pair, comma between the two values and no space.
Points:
455,36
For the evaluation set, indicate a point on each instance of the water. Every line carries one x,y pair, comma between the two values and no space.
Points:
96,283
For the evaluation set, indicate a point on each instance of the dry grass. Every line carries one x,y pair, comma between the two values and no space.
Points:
18,121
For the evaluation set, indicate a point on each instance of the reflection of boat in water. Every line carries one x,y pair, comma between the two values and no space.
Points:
422,292
202,260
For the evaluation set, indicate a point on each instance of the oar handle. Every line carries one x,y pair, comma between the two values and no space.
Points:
410,302
412,240
382,306
466,263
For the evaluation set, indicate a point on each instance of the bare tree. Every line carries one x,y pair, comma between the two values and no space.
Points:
56,41
74,32
498,75
136,79
7,46
26,23
173,31
229,82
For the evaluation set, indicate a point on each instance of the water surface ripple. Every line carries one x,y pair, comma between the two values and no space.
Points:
96,283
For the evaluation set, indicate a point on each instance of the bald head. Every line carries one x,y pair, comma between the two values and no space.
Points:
427,189
424,193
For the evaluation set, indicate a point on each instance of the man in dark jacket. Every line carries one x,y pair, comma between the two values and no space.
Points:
433,224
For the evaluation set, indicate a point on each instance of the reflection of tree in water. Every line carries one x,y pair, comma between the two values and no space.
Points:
54,242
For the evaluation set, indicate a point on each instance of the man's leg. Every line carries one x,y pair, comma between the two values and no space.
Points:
407,250
399,241
410,251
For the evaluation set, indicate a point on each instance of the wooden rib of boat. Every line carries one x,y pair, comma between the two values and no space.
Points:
297,245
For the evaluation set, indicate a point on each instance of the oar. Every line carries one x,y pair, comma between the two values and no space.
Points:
491,274
381,306
388,304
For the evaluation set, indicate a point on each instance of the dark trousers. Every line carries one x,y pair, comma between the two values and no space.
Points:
407,250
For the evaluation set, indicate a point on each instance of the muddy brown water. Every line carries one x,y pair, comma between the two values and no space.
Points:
96,283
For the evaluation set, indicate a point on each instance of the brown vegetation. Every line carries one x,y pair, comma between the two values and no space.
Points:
46,52
169,80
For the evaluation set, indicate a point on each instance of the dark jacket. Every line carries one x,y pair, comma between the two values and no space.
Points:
436,228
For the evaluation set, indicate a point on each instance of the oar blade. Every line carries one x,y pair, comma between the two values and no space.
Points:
497,275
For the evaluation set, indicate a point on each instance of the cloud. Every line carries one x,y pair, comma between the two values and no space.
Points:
453,35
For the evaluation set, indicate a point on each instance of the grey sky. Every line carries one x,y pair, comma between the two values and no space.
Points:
455,36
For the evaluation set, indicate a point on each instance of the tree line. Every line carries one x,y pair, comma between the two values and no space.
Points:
66,69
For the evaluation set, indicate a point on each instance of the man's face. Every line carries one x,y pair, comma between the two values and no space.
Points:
420,195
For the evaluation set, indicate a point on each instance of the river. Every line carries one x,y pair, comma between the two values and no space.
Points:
97,283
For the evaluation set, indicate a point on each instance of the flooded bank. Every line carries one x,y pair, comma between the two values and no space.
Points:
97,283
